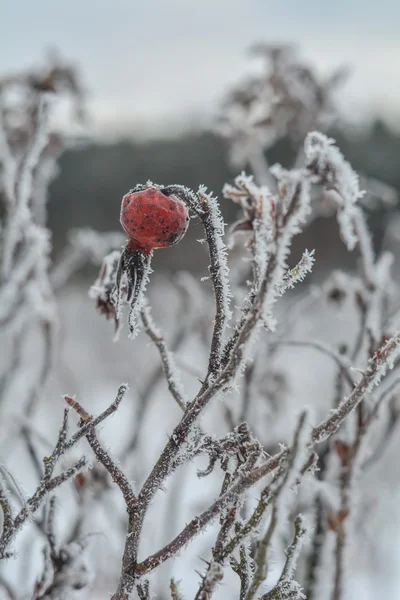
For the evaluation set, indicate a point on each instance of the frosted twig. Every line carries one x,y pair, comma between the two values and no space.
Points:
174,589
295,200
143,590
47,485
382,360
329,167
206,208
145,395
332,170
243,569
290,477
167,360
227,517
214,230
365,247
102,455
20,215
319,434
91,422
198,523
70,572
8,520
298,273
210,581
258,514
50,482
287,588
49,523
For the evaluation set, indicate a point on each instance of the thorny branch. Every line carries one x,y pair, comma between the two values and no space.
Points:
166,358
101,454
50,482
206,207
289,478
287,588
274,220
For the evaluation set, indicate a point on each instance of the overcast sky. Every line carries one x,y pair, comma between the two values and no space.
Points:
152,62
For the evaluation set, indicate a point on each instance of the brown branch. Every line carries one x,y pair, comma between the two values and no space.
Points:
221,294
166,357
242,568
287,588
209,214
91,422
144,396
49,482
376,369
198,523
101,454
117,475
261,564
46,486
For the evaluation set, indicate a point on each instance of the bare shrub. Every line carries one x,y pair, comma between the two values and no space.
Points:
282,470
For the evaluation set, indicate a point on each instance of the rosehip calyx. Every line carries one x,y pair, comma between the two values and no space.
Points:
152,218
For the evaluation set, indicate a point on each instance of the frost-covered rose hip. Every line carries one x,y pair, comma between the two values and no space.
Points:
152,219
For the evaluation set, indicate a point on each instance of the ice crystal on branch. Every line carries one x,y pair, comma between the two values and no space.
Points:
330,168
298,273
287,588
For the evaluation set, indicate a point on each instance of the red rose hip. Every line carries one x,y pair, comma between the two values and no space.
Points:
152,219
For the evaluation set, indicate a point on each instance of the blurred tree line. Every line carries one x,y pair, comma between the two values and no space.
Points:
94,176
